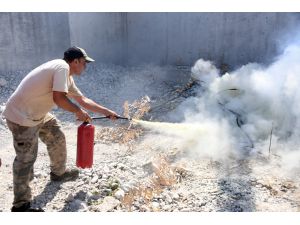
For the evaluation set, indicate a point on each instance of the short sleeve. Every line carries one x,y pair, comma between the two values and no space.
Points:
60,79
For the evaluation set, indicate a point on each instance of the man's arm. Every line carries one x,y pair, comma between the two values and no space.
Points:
62,101
94,107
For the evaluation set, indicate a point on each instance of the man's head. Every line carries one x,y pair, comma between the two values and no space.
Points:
77,58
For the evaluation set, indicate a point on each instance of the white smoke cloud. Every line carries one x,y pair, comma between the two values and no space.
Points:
264,98
204,71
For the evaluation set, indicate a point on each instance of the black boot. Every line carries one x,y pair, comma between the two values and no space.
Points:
26,208
69,175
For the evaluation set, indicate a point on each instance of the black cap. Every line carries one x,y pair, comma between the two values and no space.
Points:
75,52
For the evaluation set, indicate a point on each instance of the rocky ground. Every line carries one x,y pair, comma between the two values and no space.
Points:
148,173
148,178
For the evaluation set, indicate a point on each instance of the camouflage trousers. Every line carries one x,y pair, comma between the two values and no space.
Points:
26,147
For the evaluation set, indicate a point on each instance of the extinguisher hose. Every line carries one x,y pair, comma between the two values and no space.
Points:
108,117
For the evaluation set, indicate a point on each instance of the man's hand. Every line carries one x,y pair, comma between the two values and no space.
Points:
83,116
111,114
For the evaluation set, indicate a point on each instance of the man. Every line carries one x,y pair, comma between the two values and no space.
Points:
28,118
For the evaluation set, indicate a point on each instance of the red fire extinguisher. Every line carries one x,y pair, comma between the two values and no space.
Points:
85,145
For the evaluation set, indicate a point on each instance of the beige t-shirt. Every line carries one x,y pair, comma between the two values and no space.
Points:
33,99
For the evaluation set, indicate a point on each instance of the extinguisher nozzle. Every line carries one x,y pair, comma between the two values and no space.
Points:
123,118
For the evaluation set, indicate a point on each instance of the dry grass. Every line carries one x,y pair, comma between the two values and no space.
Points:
164,175
187,86
137,109
126,134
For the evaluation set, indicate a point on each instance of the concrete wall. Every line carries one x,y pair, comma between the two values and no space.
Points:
181,38
28,39
103,35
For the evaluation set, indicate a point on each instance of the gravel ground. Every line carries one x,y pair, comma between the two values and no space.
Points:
153,174
201,185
